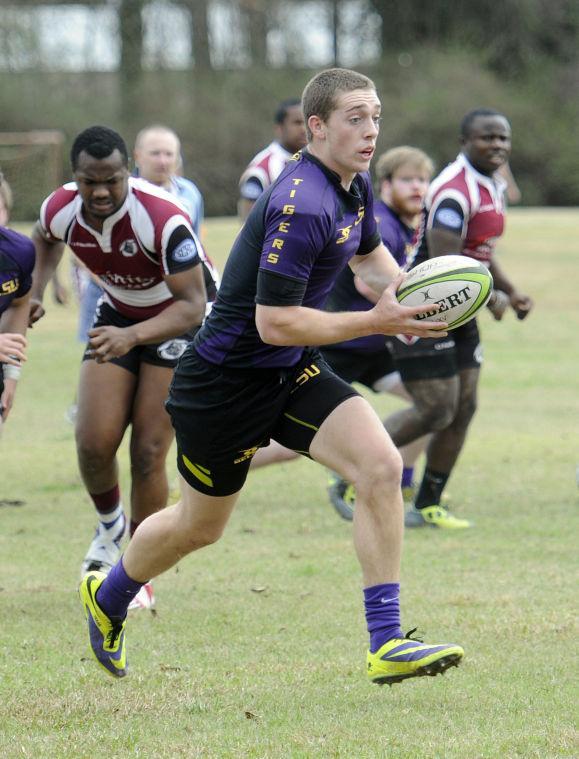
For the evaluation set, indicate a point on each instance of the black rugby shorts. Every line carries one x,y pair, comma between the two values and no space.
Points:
222,416
437,358
166,353
366,368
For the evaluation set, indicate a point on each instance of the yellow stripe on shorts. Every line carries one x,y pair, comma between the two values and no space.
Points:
199,471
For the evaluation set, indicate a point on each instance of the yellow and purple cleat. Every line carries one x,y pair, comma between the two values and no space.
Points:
401,658
106,635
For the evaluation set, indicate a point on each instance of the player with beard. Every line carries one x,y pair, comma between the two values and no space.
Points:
247,378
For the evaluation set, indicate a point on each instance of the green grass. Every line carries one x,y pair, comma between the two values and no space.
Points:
258,646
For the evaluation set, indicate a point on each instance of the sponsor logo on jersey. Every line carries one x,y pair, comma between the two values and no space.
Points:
129,248
185,251
171,350
448,217
9,287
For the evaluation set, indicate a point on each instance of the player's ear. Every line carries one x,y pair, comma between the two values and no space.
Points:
317,127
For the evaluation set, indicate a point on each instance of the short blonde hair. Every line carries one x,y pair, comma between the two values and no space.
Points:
319,96
390,161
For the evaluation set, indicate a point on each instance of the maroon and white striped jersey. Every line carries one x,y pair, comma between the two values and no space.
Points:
148,238
263,170
470,204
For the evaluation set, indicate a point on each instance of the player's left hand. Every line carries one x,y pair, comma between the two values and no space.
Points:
521,304
110,342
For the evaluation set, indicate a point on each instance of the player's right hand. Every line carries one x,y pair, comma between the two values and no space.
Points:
12,348
394,319
36,311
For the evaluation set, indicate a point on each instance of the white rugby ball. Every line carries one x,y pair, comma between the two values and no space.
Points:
460,285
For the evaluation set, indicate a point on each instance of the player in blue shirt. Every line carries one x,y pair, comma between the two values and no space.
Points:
247,378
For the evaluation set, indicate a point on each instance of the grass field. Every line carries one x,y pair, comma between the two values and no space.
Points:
257,649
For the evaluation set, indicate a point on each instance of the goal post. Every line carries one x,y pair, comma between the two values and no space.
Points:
32,164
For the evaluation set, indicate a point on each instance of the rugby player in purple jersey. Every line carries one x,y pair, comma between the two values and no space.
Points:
247,378
16,265
402,174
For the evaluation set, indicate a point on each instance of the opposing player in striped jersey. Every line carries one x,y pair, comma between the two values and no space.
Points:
156,280
267,165
464,213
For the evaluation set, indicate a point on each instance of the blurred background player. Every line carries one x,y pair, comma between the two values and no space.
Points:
16,265
157,155
142,247
464,214
403,174
267,165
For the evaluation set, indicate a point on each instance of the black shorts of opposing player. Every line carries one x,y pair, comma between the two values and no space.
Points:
365,368
166,353
222,416
437,358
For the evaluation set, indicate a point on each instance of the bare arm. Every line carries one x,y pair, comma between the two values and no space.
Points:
441,242
48,255
12,348
188,310
520,303
298,325
244,207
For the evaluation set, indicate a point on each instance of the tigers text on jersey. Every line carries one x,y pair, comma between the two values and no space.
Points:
17,257
263,170
148,238
469,204
298,237
397,237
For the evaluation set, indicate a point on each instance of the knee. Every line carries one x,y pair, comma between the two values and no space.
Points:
379,475
92,453
438,416
466,411
147,458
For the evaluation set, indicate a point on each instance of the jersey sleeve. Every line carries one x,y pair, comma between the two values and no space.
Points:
370,234
182,251
450,210
297,228
57,211
251,188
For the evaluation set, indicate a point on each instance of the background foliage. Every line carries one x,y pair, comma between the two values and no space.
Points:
215,70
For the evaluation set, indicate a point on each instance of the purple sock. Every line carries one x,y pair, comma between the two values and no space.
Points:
407,476
117,592
382,606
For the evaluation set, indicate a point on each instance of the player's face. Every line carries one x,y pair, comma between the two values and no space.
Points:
488,145
158,157
346,142
102,184
406,190
292,131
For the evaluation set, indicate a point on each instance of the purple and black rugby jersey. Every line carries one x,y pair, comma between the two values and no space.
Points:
345,297
17,257
299,235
